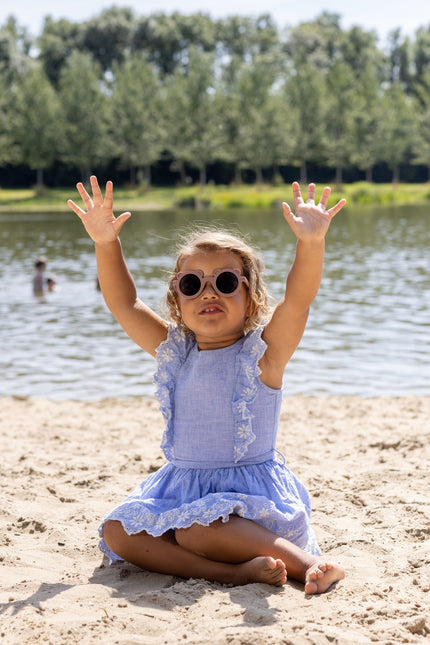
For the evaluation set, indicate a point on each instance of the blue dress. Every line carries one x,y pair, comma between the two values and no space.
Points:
221,426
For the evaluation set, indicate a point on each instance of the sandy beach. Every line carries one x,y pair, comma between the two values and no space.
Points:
64,465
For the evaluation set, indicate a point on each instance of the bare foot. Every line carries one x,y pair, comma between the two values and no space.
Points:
321,576
262,569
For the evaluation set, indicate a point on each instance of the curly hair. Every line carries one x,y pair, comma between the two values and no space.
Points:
212,239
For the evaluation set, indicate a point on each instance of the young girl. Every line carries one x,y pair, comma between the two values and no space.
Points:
224,507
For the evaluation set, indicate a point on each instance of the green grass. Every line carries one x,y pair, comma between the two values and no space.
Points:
214,197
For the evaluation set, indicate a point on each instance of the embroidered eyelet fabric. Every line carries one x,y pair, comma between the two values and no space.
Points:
220,433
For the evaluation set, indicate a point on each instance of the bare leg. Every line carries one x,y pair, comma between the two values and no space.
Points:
240,540
164,555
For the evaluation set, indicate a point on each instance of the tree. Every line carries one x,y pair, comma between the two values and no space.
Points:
399,60
244,38
167,39
315,43
136,115
85,114
192,119
313,48
339,104
421,146
36,120
108,37
421,56
234,35
56,43
358,49
265,135
367,116
8,148
251,117
305,92
15,47
259,118
397,128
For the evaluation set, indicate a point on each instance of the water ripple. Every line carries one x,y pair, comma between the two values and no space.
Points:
368,333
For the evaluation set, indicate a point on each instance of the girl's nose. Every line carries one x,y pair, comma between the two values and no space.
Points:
209,291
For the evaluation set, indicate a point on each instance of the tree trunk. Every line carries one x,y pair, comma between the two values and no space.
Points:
277,177
396,174
182,174
133,175
258,176
203,175
303,173
144,176
237,175
369,175
39,177
339,177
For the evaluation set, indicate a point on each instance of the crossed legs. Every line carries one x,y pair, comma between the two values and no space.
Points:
238,551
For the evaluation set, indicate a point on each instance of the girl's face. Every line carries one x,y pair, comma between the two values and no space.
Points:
216,320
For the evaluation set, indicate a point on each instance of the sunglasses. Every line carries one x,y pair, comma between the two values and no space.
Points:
225,282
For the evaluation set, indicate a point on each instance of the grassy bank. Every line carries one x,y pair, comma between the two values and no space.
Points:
217,197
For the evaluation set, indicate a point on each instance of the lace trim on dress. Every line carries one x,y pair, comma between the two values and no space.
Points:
171,354
247,371
205,511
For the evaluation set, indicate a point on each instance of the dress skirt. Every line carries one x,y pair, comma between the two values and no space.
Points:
171,498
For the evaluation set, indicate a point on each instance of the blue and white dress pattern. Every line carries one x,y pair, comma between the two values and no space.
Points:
221,426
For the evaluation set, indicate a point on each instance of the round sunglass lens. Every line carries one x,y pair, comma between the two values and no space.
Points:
227,282
189,284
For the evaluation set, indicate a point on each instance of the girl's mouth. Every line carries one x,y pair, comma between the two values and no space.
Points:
213,309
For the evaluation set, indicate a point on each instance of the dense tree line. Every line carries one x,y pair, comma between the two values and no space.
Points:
165,98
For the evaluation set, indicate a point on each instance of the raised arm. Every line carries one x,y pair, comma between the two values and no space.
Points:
284,331
142,324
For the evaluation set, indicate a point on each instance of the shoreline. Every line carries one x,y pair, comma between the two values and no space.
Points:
66,464
210,197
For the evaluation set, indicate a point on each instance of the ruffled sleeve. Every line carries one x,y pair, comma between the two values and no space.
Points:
247,373
170,354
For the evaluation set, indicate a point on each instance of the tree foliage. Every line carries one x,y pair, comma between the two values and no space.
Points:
239,93
136,127
36,117
84,140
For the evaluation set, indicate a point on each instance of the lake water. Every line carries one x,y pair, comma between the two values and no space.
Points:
368,332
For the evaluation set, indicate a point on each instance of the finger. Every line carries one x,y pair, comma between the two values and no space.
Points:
288,214
120,220
97,193
297,194
109,195
336,208
75,208
85,197
311,194
324,197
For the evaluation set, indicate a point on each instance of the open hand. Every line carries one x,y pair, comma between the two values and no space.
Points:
98,219
310,221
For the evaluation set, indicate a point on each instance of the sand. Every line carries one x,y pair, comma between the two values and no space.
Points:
64,465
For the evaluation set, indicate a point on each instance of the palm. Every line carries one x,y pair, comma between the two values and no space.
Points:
99,220
100,224
310,221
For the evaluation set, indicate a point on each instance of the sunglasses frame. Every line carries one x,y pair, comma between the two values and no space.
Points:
204,279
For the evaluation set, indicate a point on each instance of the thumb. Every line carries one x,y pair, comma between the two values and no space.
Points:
120,221
287,212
